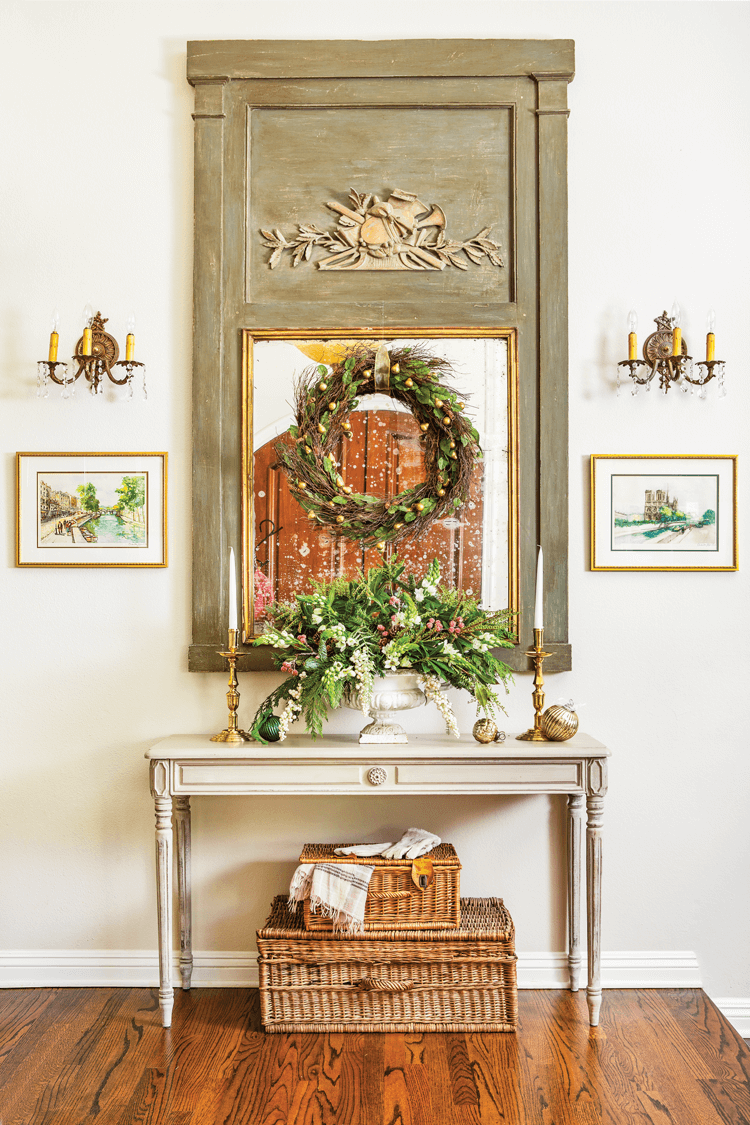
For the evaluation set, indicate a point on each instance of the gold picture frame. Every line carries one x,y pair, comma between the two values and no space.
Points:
250,337
673,511
91,509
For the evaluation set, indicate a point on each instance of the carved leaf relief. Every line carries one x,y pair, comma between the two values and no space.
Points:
399,233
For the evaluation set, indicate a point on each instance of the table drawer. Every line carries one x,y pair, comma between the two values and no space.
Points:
457,777
276,777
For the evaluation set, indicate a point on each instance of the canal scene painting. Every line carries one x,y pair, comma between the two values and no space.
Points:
664,513
91,509
82,510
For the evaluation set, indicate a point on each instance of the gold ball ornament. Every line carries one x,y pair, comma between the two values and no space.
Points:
485,731
321,428
397,526
339,519
381,545
438,402
332,406
446,419
419,507
441,492
301,484
424,427
409,383
453,444
346,425
454,457
558,723
322,386
395,370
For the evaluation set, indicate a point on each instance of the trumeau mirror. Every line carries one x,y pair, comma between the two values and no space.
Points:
312,160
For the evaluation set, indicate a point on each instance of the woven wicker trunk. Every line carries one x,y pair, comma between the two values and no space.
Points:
393,901
422,980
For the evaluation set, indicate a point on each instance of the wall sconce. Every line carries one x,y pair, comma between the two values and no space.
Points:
665,353
96,355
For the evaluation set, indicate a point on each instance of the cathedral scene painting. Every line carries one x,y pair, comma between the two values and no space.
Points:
663,513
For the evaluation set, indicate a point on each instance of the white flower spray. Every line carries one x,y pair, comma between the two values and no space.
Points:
364,670
435,694
290,712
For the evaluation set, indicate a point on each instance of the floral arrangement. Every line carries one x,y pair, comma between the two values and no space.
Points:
348,631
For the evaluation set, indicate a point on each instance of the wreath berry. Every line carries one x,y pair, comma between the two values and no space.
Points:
325,397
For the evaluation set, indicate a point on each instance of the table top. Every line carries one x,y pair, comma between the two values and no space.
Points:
346,747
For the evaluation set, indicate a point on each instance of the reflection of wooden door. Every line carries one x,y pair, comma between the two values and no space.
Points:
383,457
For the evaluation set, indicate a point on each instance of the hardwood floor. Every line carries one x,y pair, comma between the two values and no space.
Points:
69,1056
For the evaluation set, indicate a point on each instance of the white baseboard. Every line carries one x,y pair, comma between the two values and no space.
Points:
100,968
737,1011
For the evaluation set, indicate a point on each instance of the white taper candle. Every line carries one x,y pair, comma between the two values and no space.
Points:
232,591
539,603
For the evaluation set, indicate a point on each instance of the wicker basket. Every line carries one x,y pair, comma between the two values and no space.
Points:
393,901
423,980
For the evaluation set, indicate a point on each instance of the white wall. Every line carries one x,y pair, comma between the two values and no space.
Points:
96,206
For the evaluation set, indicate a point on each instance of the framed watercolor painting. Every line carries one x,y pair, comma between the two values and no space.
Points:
91,509
674,512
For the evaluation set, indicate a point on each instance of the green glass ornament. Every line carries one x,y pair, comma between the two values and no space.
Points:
268,728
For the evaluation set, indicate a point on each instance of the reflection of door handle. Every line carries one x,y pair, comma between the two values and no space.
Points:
274,531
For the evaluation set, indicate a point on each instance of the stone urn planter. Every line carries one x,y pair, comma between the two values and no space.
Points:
399,692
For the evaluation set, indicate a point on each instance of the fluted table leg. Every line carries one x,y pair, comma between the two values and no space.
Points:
182,829
163,805
596,788
575,857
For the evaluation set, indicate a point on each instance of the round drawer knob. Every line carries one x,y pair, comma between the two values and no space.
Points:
377,775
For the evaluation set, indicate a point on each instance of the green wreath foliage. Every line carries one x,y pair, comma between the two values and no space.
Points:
324,398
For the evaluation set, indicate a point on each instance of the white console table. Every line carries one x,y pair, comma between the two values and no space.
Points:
183,766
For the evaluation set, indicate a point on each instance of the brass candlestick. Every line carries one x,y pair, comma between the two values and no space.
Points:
537,654
232,732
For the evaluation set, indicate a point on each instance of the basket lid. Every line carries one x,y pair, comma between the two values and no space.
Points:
444,855
484,918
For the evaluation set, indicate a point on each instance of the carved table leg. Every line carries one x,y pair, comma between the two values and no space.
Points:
163,804
575,818
182,828
596,788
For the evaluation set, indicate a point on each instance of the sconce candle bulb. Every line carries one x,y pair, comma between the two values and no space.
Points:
130,339
632,337
54,337
710,338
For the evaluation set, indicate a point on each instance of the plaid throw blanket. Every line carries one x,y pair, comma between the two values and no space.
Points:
338,890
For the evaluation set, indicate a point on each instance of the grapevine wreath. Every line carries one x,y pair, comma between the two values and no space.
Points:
325,397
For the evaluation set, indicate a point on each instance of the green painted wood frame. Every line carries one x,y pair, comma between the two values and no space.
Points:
517,87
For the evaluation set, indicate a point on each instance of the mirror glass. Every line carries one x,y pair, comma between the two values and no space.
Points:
477,546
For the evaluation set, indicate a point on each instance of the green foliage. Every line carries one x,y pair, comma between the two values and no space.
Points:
709,516
132,492
87,492
398,622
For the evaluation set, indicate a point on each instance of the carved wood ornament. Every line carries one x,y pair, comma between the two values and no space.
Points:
399,233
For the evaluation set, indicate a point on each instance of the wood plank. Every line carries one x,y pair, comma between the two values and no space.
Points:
270,58
18,1016
36,1060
